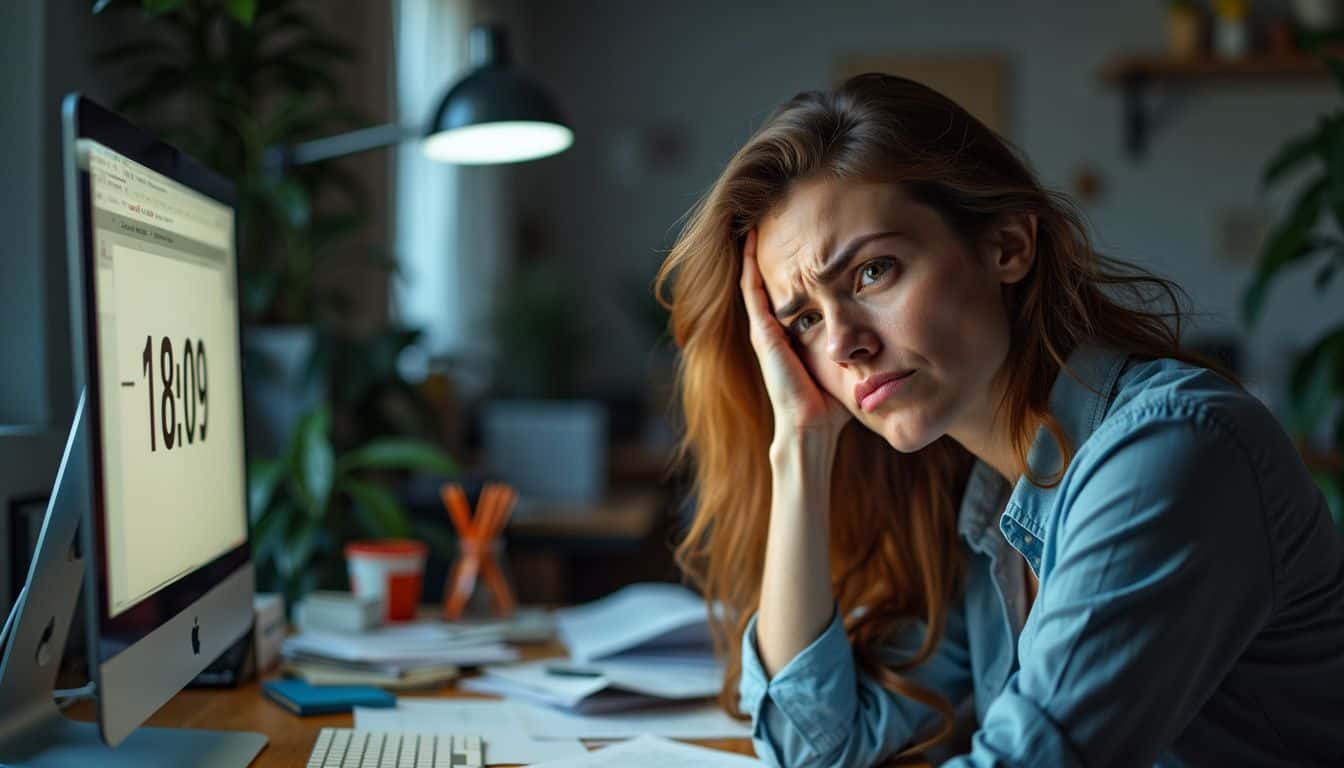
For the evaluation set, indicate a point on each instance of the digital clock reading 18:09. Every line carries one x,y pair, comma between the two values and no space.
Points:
182,405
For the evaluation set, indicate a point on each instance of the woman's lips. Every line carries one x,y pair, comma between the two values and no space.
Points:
886,386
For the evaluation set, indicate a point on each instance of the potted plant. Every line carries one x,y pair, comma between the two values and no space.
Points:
226,80
306,504
1310,235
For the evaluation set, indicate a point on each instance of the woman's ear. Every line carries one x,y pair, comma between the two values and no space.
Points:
1011,247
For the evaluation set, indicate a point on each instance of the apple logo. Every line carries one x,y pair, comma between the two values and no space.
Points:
196,637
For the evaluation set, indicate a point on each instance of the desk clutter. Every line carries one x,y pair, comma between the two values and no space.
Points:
639,666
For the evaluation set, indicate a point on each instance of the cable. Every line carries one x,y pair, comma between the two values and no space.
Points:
66,696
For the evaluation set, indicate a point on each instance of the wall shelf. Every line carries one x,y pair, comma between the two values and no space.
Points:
1135,74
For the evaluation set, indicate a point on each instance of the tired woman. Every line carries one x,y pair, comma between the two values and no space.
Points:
954,468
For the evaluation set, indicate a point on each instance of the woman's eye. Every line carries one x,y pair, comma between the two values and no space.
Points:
873,270
804,322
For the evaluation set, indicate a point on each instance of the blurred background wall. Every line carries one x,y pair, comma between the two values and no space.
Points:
660,95
702,75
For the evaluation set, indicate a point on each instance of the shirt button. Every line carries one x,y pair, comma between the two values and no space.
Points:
1027,538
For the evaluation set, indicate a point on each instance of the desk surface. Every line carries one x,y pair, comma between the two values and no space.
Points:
291,737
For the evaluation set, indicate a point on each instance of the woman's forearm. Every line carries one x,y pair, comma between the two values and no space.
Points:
796,585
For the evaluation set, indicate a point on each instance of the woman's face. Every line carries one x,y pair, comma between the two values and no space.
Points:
872,285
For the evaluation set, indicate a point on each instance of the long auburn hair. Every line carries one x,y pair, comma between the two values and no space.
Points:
893,527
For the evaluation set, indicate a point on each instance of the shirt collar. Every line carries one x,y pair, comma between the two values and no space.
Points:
1079,404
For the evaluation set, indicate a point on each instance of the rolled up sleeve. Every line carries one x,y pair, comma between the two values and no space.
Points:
1162,574
820,710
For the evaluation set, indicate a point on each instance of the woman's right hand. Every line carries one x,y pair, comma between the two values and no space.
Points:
801,407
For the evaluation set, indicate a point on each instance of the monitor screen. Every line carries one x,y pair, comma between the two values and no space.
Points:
165,294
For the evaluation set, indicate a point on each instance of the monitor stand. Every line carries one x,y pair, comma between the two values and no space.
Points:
33,732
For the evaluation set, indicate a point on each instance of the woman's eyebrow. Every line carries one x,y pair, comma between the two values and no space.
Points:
836,264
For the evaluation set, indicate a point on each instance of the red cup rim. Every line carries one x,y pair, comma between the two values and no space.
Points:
386,548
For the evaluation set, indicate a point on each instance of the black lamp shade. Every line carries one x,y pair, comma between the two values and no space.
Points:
493,114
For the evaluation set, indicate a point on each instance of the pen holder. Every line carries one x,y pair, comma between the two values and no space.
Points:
480,548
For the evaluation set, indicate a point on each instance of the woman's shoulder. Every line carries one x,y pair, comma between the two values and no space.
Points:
1161,389
1178,408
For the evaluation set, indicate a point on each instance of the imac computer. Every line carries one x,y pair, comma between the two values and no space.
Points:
148,512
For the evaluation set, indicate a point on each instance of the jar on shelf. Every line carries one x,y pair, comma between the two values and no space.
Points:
1231,28
1185,29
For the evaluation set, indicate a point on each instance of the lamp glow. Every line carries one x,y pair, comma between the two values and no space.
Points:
498,142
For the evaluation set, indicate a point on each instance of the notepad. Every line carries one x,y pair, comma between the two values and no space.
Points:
304,699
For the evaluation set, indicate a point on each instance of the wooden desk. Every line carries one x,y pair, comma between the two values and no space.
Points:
292,737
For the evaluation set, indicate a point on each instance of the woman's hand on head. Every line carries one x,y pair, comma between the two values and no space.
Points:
801,407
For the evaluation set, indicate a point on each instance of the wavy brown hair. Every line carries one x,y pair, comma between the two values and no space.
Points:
894,546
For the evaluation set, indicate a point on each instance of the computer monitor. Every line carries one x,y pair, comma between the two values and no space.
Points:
154,470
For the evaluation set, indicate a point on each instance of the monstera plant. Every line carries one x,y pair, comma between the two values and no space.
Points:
1311,235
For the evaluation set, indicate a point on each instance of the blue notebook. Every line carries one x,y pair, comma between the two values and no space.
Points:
304,699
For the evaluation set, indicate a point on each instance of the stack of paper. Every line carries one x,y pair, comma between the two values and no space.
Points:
660,622
610,686
401,651
644,645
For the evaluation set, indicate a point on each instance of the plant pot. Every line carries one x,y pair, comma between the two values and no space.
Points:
549,450
276,394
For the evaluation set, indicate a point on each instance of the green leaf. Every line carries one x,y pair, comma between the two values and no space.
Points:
262,479
290,200
268,531
1289,243
399,453
1333,492
1317,379
1336,67
1293,154
244,11
1334,151
315,461
297,549
378,510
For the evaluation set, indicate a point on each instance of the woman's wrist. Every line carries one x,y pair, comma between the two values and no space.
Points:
806,456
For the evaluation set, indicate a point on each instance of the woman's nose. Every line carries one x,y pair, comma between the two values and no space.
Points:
850,339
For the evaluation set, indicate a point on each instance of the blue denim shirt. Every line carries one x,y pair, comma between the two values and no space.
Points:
1190,607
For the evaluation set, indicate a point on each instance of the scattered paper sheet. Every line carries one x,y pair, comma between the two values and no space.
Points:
637,616
653,752
496,722
653,681
694,721
412,643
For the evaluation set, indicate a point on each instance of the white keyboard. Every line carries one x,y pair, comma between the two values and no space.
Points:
350,748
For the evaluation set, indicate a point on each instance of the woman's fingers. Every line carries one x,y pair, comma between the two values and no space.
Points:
764,327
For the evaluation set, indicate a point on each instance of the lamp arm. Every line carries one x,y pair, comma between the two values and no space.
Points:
283,157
